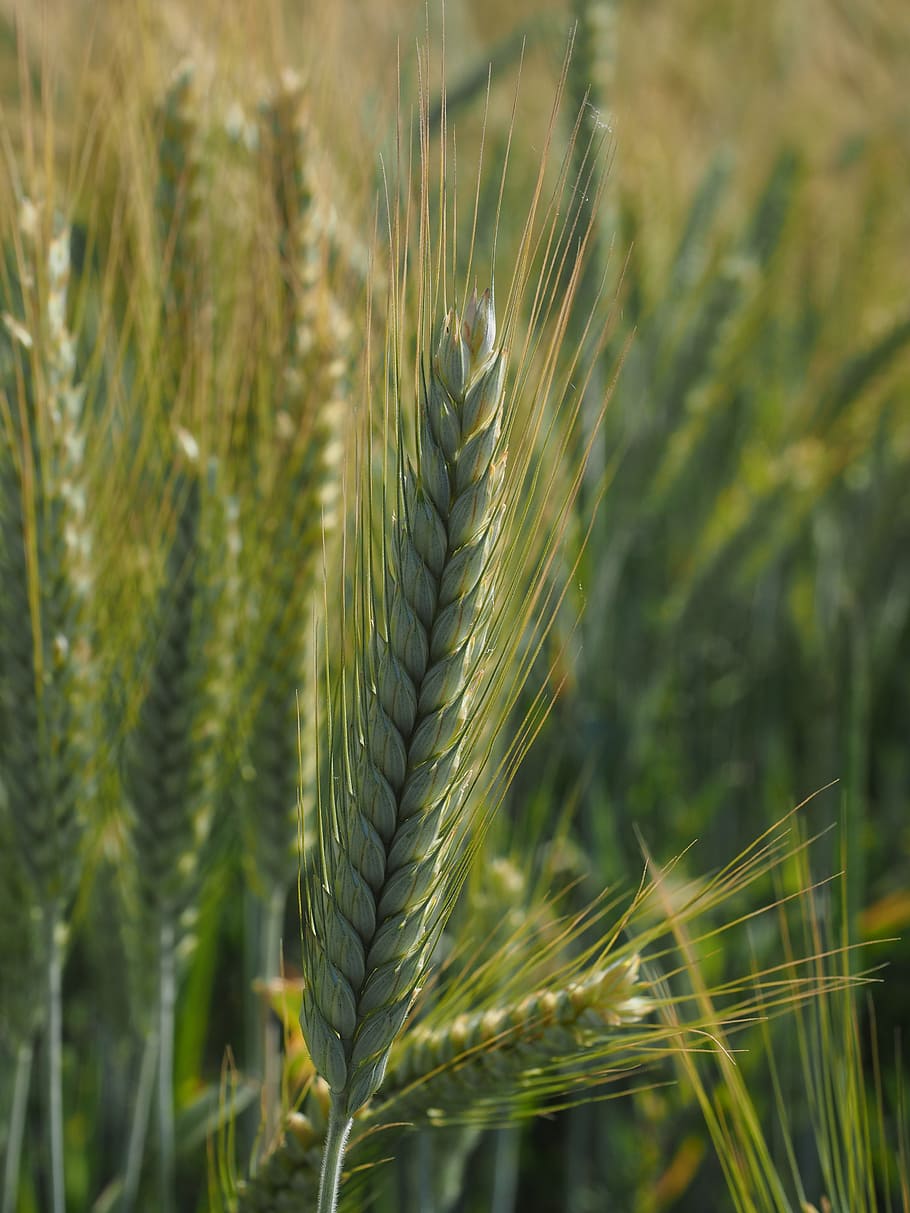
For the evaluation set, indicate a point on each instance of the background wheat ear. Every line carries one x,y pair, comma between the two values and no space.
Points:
47,684
176,731
293,511
170,755
45,554
470,1061
296,507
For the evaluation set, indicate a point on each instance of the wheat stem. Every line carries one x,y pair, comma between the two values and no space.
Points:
16,1133
270,956
55,1059
332,1158
167,981
506,1161
139,1127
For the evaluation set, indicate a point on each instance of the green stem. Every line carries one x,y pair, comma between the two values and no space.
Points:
578,1159
139,1127
16,1132
505,1170
269,959
249,1125
55,1059
855,784
166,1000
336,1139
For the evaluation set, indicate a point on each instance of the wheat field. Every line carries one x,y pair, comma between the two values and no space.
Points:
454,609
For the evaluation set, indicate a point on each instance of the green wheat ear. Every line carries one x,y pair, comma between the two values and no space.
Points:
47,682
169,767
471,1068
170,754
46,669
477,1061
374,903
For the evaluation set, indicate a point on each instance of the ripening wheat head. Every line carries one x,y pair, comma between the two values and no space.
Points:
299,494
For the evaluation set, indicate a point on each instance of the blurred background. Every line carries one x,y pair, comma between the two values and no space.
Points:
736,636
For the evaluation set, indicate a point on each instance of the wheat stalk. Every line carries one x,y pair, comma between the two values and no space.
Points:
22,964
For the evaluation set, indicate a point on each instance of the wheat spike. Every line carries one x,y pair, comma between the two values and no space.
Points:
288,1178
371,909
169,753
47,684
45,557
467,1068
169,770
479,1057
170,773
310,411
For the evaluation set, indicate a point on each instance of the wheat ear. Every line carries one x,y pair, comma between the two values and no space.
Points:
310,389
479,1058
467,1070
46,666
374,899
170,755
168,768
308,371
